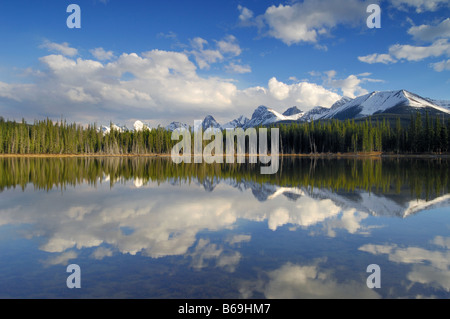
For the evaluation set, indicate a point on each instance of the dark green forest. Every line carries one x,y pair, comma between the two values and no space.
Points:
48,137
423,134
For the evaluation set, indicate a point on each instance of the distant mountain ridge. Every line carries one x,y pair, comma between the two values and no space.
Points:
388,102
237,123
266,116
292,111
399,102
443,103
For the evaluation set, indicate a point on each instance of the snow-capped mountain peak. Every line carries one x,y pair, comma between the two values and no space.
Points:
139,126
210,122
442,103
388,102
342,101
119,128
266,116
292,111
104,129
399,101
262,116
175,125
314,114
240,122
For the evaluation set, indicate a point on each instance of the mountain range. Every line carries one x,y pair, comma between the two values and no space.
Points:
388,103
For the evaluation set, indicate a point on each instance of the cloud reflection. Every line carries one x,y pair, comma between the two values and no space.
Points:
61,259
430,267
162,220
206,251
310,281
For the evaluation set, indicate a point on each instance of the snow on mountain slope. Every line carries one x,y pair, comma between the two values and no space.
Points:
119,128
210,122
380,102
292,114
236,123
342,101
315,114
174,125
261,116
442,103
397,102
104,129
319,112
292,111
139,126
266,116
418,101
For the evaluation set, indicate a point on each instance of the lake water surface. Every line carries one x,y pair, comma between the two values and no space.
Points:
148,228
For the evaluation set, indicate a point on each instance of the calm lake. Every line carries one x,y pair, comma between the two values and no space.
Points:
148,228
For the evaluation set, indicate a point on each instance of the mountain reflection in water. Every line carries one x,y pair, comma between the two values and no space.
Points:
307,232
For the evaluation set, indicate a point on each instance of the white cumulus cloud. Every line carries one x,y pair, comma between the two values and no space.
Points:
420,5
418,53
441,66
280,95
238,68
62,48
308,20
245,13
101,54
156,86
407,52
427,32
377,58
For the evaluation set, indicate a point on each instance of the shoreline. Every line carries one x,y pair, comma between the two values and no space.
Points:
311,155
81,155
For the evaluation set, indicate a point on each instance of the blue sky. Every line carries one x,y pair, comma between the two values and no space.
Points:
163,61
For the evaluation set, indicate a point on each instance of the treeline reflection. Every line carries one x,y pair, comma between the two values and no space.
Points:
421,178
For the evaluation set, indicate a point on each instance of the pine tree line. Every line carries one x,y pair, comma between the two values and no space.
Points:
422,135
48,137
429,135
